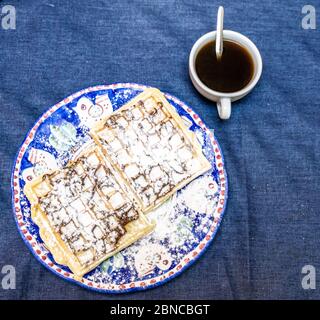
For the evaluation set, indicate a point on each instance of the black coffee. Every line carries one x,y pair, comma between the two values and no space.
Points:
232,73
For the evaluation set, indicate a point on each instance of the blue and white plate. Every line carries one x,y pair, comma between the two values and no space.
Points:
186,223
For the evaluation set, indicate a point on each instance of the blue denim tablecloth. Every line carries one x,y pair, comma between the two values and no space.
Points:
271,144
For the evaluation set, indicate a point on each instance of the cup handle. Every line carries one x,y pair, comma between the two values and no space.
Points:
224,108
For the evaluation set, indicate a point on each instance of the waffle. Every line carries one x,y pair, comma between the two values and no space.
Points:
95,206
148,144
84,213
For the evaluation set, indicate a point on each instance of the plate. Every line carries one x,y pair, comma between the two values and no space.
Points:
186,223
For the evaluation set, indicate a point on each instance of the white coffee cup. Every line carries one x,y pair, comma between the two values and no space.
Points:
223,99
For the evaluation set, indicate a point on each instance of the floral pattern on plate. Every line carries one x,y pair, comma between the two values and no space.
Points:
186,223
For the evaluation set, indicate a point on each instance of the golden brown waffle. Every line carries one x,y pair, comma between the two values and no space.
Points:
148,143
84,213
95,206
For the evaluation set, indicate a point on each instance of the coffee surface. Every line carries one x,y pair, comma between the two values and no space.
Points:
232,73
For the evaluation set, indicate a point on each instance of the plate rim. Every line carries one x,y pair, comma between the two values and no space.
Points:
48,112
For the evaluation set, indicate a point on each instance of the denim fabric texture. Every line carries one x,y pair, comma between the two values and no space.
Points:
271,143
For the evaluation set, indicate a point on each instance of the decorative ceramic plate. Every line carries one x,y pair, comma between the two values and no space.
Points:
186,223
